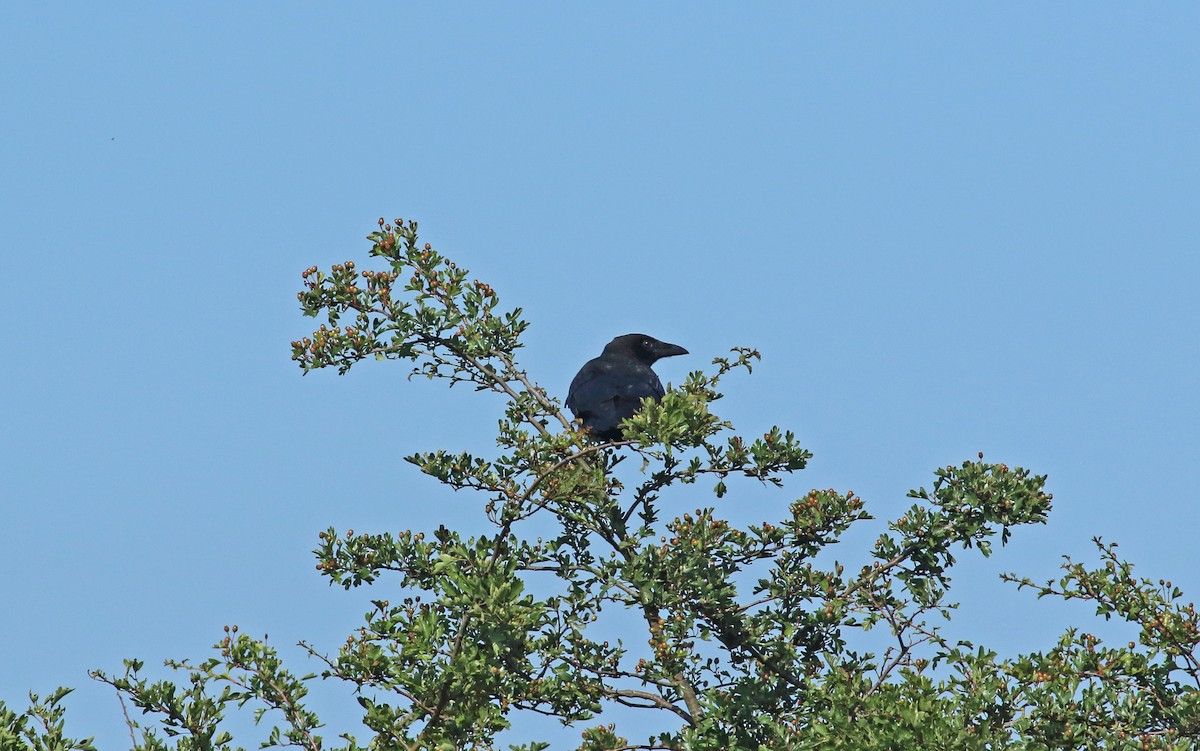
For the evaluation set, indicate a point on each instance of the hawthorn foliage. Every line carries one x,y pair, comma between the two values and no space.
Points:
734,637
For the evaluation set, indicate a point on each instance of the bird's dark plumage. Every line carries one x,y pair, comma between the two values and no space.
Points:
611,387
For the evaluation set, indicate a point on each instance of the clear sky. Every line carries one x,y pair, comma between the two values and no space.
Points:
949,228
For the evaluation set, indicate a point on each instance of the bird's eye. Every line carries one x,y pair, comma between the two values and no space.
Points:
646,343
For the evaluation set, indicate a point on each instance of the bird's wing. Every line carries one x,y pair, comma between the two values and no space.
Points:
607,391
592,384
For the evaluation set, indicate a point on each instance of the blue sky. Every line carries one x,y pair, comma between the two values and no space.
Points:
949,228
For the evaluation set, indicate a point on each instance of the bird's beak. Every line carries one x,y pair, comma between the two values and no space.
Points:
670,350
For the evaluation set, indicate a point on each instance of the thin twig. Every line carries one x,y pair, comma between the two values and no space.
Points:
128,722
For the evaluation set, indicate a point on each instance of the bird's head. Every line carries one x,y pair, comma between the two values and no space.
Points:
642,347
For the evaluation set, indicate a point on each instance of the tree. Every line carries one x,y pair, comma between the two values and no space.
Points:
747,638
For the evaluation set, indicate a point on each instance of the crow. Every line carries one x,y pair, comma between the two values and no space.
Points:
611,387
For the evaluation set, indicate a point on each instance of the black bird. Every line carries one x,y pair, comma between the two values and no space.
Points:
611,387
